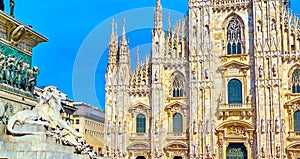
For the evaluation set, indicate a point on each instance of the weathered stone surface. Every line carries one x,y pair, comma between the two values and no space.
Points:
254,44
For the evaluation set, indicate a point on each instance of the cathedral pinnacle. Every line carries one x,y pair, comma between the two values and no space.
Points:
112,34
137,57
123,41
169,22
158,15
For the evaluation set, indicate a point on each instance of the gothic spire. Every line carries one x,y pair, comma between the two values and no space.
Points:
123,41
137,57
112,34
158,16
169,22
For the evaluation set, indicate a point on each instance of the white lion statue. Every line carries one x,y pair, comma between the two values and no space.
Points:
46,113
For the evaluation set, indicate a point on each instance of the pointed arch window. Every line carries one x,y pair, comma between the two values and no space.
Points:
297,121
141,123
234,92
178,86
177,123
234,37
296,81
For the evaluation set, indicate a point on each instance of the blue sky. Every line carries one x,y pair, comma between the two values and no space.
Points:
70,25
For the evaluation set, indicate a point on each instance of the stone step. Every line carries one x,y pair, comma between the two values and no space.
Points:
39,155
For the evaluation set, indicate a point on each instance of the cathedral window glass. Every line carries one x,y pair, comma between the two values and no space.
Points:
234,92
234,37
236,151
178,86
296,81
297,121
177,123
141,123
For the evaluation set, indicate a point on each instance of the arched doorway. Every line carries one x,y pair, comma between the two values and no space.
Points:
236,151
177,157
140,157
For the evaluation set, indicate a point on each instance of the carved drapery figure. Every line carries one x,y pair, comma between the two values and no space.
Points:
263,124
156,125
274,70
278,151
207,150
260,71
277,125
263,153
195,149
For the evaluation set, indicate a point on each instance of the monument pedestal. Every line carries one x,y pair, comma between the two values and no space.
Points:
34,147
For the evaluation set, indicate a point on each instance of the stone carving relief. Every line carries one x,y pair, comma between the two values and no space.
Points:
176,107
47,114
139,108
236,130
156,153
17,73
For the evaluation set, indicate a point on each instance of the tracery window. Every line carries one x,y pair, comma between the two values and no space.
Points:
297,121
177,123
296,81
141,123
234,92
234,37
178,86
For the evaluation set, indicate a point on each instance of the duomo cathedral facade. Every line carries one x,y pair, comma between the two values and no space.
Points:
223,83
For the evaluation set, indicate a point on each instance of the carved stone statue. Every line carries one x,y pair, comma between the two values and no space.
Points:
277,125
274,70
107,152
206,73
195,127
260,71
47,113
282,125
195,149
156,125
207,149
32,78
263,153
263,124
132,155
278,151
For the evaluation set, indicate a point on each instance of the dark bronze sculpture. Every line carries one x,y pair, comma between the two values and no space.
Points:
2,5
12,7
11,4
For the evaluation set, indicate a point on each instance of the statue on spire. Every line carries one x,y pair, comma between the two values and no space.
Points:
12,7
158,15
123,41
